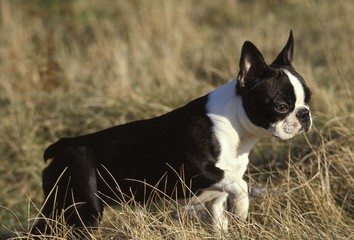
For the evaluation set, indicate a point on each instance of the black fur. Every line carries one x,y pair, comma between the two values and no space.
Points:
171,153
86,164
259,84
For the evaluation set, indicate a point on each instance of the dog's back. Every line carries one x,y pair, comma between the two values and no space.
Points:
115,164
202,147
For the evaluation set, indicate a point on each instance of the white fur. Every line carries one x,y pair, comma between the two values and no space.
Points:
236,136
298,89
290,126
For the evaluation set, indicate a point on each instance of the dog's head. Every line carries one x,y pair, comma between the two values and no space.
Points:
275,97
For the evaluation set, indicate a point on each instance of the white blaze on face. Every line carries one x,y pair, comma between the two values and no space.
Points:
298,89
290,126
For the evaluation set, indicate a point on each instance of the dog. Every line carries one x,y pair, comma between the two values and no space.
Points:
202,146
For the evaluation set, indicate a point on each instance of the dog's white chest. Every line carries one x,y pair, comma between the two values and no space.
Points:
229,119
233,159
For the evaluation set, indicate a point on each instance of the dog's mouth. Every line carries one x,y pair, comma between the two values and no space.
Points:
286,136
286,130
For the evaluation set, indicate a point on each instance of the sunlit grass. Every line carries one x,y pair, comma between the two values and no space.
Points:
74,67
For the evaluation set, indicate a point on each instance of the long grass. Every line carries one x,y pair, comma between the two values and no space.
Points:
74,67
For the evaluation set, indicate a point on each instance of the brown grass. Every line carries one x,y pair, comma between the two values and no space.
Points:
74,67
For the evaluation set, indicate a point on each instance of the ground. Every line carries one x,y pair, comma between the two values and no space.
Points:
74,67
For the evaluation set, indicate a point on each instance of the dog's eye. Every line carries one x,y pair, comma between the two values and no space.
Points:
282,108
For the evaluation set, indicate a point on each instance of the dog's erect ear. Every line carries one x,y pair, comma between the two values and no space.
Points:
251,61
285,57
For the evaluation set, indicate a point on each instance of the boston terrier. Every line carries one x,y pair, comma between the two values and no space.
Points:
197,152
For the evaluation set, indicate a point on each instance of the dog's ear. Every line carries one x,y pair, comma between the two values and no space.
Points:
251,62
285,57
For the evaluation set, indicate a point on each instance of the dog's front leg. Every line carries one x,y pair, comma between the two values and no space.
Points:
238,200
216,209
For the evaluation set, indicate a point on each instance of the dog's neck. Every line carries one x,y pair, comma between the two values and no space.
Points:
230,120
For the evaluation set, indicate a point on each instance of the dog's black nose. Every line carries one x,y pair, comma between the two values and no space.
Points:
303,114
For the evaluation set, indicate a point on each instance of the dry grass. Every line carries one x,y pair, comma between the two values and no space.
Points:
73,67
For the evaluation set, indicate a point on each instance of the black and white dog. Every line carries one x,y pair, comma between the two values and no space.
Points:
202,146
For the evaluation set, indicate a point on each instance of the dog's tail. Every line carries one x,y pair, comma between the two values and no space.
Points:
54,148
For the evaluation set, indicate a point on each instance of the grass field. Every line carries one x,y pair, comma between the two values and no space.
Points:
74,67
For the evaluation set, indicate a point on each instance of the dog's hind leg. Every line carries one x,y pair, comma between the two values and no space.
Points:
55,181
70,187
